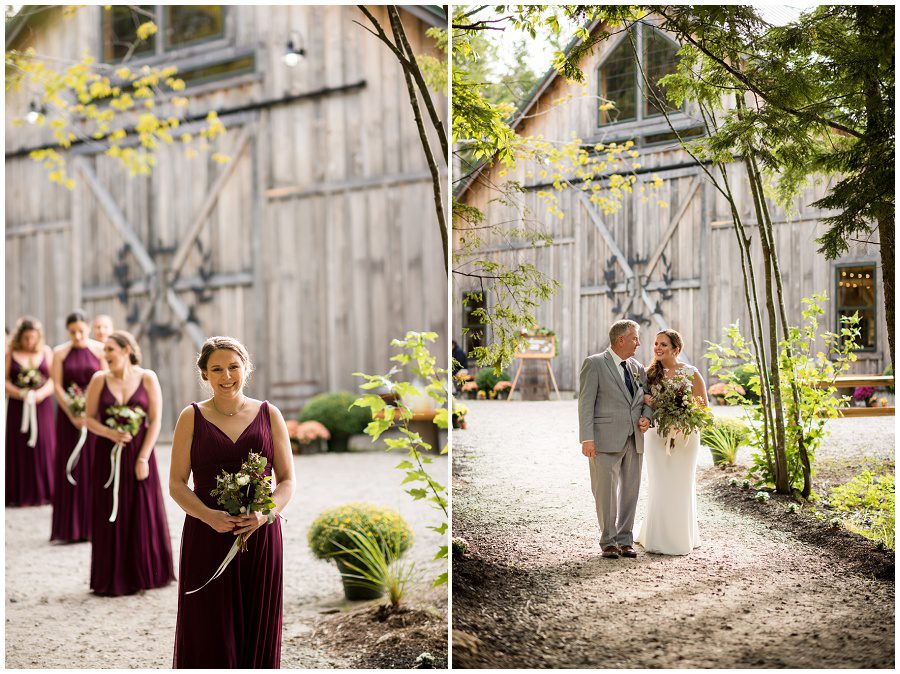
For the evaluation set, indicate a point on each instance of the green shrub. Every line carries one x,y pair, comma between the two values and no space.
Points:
866,504
334,411
328,534
373,564
487,378
724,438
889,372
742,375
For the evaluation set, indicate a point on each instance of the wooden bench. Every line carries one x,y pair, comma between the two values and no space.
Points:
854,380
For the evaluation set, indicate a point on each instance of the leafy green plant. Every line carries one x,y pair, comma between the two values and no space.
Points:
374,563
331,533
335,411
867,506
459,546
385,415
762,496
889,372
723,438
802,366
487,378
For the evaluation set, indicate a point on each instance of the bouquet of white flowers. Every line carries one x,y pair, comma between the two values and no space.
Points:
677,410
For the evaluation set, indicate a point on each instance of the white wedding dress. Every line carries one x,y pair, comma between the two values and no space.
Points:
670,526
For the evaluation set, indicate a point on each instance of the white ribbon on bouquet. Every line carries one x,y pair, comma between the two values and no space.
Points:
239,542
115,469
74,456
29,418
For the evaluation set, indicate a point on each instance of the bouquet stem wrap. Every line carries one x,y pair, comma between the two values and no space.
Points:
240,544
115,469
75,455
29,418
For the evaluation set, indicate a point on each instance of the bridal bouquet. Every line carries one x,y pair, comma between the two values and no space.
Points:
30,378
677,410
241,493
76,403
129,420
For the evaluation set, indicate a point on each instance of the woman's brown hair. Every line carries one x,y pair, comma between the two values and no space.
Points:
655,371
126,339
22,326
214,344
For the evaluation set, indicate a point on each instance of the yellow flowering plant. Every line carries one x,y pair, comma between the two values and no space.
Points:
329,535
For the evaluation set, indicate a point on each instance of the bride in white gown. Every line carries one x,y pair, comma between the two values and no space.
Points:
670,526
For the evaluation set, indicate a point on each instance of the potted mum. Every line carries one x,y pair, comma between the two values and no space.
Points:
308,437
330,537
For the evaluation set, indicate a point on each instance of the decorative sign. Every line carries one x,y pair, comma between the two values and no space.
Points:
537,346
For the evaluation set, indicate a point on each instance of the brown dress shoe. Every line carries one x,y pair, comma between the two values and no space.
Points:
611,552
627,551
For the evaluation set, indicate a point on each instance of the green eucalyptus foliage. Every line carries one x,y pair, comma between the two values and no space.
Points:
417,359
806,367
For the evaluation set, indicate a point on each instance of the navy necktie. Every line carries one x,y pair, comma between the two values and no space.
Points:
629,382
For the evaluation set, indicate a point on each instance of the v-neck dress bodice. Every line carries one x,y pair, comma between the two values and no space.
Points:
235,621
29,470
72,503
133,553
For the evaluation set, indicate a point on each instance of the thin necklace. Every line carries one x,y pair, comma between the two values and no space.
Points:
215,407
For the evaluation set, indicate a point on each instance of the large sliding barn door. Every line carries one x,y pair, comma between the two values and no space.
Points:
643,263
173,257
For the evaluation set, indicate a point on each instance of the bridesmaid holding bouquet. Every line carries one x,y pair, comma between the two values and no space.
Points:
234,621
30,435
74,363
130,548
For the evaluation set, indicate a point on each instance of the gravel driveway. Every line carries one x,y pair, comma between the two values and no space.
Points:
53,621
533,591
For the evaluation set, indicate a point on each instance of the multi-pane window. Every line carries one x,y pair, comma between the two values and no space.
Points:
178,26
856,294
622,77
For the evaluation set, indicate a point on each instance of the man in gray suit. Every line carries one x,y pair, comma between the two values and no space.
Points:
612,419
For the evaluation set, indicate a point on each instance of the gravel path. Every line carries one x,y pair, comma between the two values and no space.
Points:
533,591
53,621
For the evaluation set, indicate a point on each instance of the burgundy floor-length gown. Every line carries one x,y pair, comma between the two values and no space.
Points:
72,503
134,552
235,621
29,470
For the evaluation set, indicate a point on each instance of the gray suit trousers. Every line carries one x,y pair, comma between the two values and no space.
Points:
615,482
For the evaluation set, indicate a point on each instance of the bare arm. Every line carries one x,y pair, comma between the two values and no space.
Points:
698,389
56,375
47,389
154,424
283,470
180,472
12,391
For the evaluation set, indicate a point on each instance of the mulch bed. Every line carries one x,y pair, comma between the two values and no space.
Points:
376,637
860,554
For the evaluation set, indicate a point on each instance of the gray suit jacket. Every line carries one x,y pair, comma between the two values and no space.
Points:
607,414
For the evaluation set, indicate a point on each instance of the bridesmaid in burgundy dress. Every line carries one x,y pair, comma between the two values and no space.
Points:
133,552
235,621
29,455
74,362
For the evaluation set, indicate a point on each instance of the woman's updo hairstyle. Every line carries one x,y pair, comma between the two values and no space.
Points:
126,340
214,344
23,325
76,316
655,371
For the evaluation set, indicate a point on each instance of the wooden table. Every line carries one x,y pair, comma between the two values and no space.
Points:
855,380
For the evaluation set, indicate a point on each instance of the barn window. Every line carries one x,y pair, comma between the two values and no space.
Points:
622,77
473,328
178,26
856,293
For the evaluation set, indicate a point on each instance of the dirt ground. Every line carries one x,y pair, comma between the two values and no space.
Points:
533,591
53,621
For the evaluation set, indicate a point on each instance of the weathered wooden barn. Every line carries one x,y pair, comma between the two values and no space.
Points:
315,245
676,266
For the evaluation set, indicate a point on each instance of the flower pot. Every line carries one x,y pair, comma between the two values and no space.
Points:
352,590
314,447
